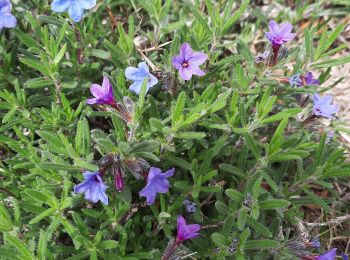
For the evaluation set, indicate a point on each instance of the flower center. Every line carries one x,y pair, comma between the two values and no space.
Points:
185,64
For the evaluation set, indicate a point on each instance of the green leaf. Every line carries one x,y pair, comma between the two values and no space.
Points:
6,222
236,15
235,195
281,115
190,135
108,244
273,204
277,139
42,246
82,137
219,239
100,54
331,63
42,215
177,110
20,247
317,200
258,227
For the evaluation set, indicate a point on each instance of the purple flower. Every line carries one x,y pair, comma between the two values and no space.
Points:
94,188
187,62
7,20
345,257
138,75
103,94
184,231
156,182
279,34
75,7
310,80
329,255
323,107
295,80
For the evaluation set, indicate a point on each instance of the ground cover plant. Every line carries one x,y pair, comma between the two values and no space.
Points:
171,130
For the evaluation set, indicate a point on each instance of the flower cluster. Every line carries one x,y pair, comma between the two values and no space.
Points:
280,34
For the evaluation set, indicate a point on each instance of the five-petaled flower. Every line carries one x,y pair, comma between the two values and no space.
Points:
103,94
7,20
93,187
187,62
323,107
75,7
157,182
184,231
279,34
138,75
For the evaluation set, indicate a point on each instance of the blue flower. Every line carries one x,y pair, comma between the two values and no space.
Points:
75,7
323,106
94,188
157,182
7,20
138,75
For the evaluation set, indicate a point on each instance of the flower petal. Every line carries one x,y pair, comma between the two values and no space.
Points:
285,28
185,73
149,193
154,172
136,87
134,74
75,11
168,173
102,195
82,187
198,58
177,62
98,91
144,67
273,26
185,51
60,6
8,21
153,81
197,71
160,185
87,4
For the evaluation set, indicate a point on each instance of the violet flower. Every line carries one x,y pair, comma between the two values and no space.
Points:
75,7
7,20
93,187
103,94
279,34
157,182
187,62
184,231
329,255
323,107
310,80
138,75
